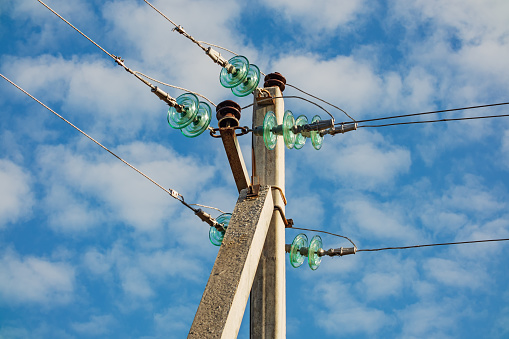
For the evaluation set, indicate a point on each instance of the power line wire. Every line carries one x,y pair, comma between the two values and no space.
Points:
181,30
293,97
401,247
325,232
163,96
430,245
77,30
177,28
317,98
174,194
213,208
432,112
177,87
438,120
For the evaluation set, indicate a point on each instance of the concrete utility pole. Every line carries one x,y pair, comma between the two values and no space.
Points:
268,294
252,255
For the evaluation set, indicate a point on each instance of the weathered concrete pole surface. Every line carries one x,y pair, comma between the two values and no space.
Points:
268,294
225,297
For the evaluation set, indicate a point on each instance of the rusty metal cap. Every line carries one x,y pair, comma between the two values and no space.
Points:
275,79
228,113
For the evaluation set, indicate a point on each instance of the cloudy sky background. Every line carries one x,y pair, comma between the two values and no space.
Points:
89,248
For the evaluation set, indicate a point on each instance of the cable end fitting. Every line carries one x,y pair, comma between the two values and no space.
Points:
179,29
205,217
119,61
343,128
167,98
340,251
218,59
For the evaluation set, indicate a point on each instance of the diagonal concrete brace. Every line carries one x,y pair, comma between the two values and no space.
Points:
225,297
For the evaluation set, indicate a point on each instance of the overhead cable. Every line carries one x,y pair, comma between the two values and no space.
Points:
177,87
178,28
433,112
291,97
157,91
328,103
325,232
174,194
401,247
432,121
77,30
209,52
430,245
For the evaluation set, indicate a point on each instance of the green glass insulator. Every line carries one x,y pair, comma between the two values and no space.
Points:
215,236
288,124
230,80
314,259
249,84
316,138
269,137
180,120
300,140
200,122
296,259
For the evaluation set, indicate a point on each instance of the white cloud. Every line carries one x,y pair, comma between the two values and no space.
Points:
430,320
136,284
373,220
96,262
465,45
168,55
89,87
348,82
381,284
175,319
505,148
123,194
16,197
472,196
307,211
452,274
362,161
357,318
319,15
141,271
98,325
35,280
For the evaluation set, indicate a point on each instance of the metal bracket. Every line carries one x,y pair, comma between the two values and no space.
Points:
288,222
263,97
253,191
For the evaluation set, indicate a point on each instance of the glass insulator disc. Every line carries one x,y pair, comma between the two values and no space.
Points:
230,80
269,137
249,84
296,259
180,120
314,259
215,236
200,122
316,138
300,140
288,124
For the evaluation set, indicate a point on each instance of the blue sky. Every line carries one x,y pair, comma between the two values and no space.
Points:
90,249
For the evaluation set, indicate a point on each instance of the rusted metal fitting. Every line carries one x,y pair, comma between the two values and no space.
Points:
253,191
263,97
275,79
228,114
288,222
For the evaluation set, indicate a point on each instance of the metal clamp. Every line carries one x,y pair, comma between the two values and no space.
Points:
244,130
